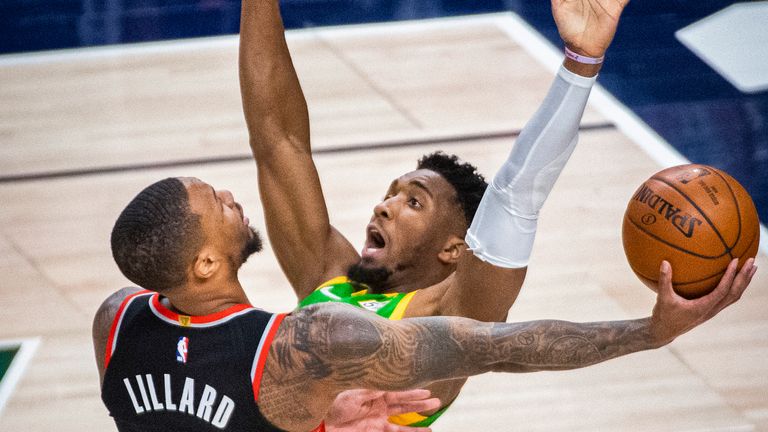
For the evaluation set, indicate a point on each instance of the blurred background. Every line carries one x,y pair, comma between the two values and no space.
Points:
99,98
686,100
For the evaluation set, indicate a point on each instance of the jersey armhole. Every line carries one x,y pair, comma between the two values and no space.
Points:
399,311
263,351
115,327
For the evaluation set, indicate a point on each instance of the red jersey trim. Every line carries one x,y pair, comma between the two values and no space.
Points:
262,351
217,318
116,322
320,428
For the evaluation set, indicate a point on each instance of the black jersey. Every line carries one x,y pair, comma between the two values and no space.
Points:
171,372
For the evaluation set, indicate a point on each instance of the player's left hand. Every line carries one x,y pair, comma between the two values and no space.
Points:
587,26
368,410
674,315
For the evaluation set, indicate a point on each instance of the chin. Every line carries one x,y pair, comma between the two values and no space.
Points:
372,263
369,273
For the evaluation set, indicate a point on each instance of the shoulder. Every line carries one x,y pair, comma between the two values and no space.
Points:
111,305
102,322
331,313
429,301
340,330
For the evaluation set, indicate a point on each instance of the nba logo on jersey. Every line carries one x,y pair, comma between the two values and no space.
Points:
181,349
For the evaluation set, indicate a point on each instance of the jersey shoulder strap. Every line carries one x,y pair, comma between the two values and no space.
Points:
262,352
117,323
342,290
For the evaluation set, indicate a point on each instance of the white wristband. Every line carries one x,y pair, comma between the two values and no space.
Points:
583,59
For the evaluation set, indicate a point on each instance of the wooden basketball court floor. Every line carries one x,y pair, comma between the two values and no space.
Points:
82,132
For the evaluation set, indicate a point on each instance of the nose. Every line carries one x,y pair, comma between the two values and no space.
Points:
385,209
227,197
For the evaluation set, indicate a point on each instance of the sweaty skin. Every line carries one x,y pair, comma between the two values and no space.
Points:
338,345
424,242
341,347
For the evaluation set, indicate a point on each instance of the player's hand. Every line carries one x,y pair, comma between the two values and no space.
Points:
674,315
587,26
368,410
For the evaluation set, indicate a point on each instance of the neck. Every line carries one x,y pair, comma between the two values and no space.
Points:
206,298
407,281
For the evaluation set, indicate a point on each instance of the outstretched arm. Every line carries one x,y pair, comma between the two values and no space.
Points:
502,232
306,245
324,349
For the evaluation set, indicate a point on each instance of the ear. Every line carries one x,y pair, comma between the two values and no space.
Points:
452,250
206,264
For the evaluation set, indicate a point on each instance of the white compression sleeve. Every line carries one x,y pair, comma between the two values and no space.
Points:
504,226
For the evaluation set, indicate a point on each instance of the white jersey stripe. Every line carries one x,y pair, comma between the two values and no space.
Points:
120,321
261,346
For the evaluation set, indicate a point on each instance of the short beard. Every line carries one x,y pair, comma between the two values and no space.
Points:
252,245
375,278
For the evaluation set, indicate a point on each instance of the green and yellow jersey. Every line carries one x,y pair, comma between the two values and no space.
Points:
390,305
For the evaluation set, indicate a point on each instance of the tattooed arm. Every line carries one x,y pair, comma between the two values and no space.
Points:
322,350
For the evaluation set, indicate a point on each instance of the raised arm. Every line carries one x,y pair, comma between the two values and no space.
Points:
502,232
324,349
306,245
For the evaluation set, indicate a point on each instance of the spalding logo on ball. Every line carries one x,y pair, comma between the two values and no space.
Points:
694,216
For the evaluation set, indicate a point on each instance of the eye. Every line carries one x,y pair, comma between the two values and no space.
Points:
414,202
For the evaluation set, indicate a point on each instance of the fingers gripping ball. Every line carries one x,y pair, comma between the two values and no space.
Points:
694,216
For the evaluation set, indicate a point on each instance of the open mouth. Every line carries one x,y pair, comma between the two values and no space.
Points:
374,242
246,221
375,239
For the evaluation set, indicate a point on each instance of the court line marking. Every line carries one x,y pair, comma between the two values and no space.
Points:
27,348
348,148
518,30
625,120
232,41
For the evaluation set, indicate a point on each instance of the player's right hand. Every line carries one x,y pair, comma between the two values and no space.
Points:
368,410
674,315
587,26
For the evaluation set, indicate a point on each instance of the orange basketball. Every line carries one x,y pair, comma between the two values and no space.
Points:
694,216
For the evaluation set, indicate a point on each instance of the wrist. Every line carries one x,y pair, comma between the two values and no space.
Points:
582,63
658,336
580,57
585,70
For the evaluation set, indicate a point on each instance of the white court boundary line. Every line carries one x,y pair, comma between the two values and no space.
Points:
232,41
625,120
518,30
27,348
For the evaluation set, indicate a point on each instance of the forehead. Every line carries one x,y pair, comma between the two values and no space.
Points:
200,194
433,182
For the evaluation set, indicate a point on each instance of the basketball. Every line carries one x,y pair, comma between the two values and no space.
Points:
694,216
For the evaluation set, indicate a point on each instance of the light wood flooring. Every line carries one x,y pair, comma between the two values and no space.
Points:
165,103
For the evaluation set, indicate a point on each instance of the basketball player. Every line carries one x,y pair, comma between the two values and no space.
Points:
419,258
192,354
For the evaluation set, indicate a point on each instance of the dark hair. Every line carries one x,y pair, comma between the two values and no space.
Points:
469,184
156,236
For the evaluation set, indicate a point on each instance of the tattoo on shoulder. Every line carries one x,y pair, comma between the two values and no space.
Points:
102,323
